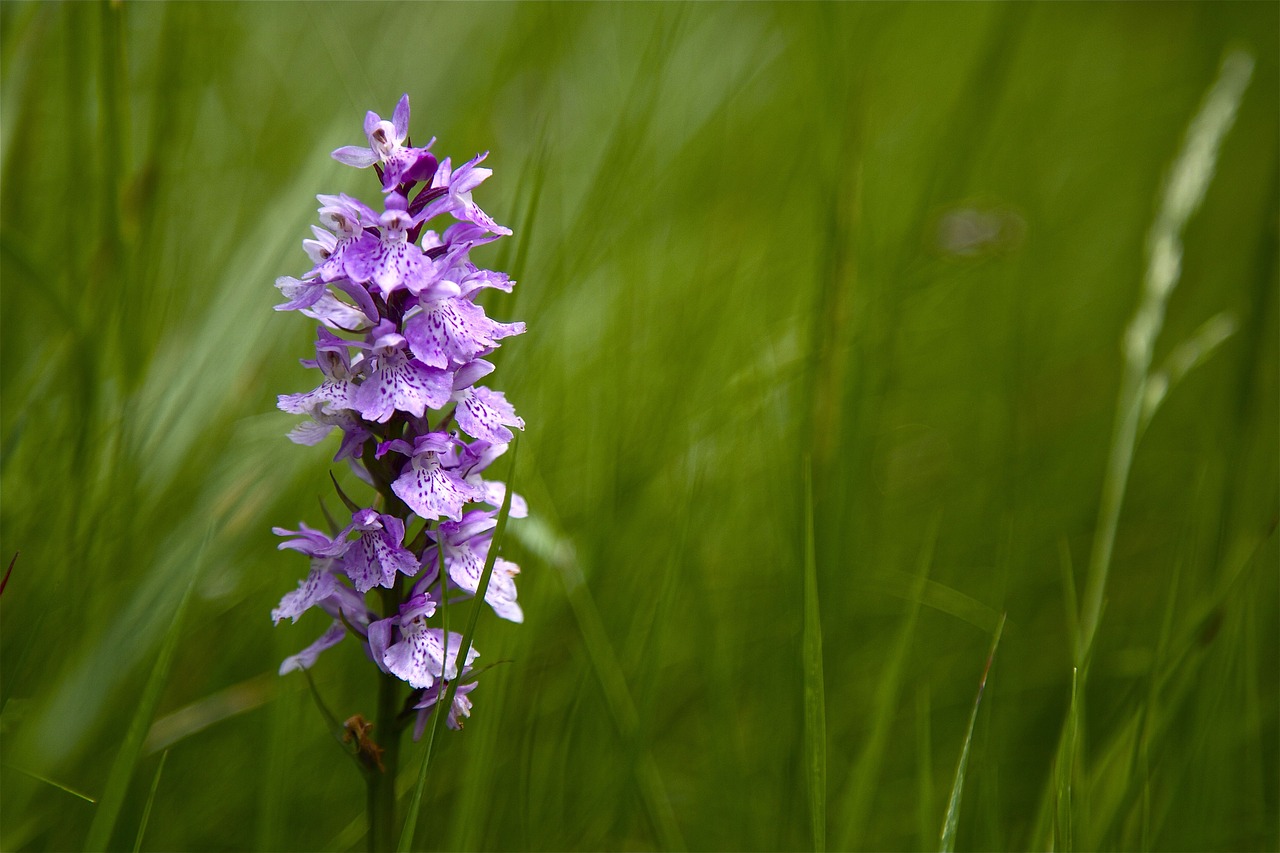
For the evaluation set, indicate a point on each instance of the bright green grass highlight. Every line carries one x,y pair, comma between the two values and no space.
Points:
905,241
952,822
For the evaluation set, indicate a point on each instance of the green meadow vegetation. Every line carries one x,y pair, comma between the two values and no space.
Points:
902,389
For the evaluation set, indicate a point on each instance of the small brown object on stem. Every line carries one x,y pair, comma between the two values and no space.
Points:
367,749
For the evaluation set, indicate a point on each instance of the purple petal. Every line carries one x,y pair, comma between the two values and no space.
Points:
310,433
486,414
418,658
380,640
493,492
401,384
471,373
306,658
307,540
400,118
360,156
432,492
346,603
337,314
361,297
332,394
486,278
317,586
375,558
461,706
468,177
501,593
453,330
301,294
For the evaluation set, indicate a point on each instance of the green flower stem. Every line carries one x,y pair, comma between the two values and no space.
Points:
382,784
383,825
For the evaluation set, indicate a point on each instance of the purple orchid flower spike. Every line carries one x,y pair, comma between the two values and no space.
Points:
400,347
387,139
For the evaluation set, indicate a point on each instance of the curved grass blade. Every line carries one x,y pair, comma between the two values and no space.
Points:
859,789
45,779
151,798
336,729
104,819
952,822
815,715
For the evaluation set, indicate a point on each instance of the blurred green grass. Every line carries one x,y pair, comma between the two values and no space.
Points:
901,240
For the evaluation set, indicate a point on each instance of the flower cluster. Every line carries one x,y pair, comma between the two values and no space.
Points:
401,347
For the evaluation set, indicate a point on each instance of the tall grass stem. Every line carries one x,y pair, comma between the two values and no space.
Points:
1183,192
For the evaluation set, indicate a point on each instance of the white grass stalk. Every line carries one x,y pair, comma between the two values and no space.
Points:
1183,192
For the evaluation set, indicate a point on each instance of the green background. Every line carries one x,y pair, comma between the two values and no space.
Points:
897,244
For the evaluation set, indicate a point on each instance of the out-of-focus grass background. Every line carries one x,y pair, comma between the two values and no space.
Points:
900,241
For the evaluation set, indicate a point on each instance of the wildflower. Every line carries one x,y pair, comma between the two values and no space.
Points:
375,556
400,344
427,485
386,145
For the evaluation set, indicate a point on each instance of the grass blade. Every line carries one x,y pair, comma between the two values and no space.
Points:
1184,190
952,822
1064,773
104,819
815,715
445,703
859,789
545,541
61,787
151,798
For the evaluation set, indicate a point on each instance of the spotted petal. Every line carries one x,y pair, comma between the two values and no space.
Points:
431,491
486,414
401,384
319,585
420,657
